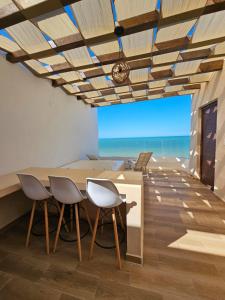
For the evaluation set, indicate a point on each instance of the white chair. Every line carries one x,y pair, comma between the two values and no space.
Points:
65,191
35,191
104,194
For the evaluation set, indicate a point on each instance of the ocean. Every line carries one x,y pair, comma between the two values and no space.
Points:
172,146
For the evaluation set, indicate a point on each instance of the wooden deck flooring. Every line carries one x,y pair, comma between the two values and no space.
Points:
184,253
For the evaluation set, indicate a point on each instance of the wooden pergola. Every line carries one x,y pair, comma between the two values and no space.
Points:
171,46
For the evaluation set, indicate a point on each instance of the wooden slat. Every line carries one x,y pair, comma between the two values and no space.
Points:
192,86
161,72
205,77
94,73
94,17
107,92
134,29
7,7
153,80
170,94
138,99
178,81
173,88
136,60
33,12
85,87
125,96
156,91
209,27
186,68
196,53
175,7
157,83
29,37
175,34
209,66
130,12
130,60
141,63
138,87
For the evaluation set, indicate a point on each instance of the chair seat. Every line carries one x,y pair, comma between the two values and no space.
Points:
121,196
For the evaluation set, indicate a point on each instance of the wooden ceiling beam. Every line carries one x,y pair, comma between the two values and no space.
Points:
144,98
130,59
111,36
164,95
151,92
148,81
33,12
215,66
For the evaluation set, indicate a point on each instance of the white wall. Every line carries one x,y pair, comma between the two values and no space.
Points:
41,125
214,90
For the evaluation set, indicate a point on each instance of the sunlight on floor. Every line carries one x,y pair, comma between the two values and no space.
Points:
207,203
202,242
159,198
191,215
185,205
121,176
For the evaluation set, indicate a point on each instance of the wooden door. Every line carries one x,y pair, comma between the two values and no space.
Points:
208,144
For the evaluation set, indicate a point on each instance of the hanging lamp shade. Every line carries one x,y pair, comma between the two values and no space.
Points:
120,72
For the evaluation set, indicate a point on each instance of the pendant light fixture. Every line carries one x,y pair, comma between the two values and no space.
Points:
121,70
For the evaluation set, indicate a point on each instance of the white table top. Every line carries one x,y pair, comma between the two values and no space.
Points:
9,183
112,165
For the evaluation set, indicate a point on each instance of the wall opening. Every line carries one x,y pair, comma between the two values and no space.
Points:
161,126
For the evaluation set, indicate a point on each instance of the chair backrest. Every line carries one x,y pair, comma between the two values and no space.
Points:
65,190
103,193
142,161
33,188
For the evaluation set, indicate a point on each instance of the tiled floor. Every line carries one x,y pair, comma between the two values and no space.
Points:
184,253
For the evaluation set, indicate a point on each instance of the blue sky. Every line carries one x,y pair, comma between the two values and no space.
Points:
165,117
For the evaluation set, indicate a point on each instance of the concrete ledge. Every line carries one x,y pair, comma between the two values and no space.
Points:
12,207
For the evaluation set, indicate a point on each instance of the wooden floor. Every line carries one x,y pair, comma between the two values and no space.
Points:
184,253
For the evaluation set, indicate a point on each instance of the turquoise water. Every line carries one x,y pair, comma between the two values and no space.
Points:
173,146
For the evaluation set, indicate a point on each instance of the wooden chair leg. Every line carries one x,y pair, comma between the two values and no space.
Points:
116,237
46,226
63,220
87,216
71,217
94,233
78,232
121,219
102,224
58,227
30,223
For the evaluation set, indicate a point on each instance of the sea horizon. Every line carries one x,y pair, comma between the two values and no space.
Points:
171,146
136,137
